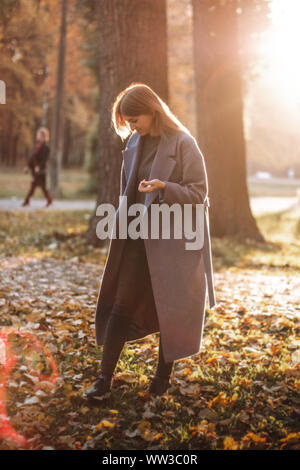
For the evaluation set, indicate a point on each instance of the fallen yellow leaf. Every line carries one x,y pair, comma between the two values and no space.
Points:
105,424
230,444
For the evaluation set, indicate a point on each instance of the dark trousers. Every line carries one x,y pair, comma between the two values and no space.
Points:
38,181
115,337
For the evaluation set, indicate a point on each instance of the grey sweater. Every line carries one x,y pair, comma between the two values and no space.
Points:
148,152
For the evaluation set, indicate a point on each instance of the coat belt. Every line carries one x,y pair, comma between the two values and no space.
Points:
207,257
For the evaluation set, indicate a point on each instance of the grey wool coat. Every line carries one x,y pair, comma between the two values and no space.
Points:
180,278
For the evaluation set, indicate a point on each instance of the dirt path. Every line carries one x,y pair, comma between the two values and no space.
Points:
258,204
38,204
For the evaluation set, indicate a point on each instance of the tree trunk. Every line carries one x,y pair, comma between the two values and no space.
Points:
67,146
132,47
57,131
220,117
14,154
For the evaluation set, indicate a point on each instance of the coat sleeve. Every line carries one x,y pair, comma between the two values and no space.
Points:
193,187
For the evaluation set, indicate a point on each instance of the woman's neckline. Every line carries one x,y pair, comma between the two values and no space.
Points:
151,136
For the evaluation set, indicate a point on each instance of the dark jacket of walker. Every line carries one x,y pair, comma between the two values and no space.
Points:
39,158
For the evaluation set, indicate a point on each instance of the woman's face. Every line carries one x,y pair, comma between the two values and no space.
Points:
40,136
142,123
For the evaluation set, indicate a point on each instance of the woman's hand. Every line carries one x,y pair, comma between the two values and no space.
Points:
149,186
36,168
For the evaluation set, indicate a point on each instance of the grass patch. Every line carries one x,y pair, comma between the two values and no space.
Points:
61,235
15,183
281,250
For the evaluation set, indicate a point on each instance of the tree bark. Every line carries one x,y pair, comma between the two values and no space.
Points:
219,105
132,47
57,131
67,146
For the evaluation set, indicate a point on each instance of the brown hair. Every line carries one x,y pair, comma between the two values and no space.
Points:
137,99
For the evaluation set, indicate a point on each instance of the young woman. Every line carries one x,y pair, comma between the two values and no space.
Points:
154,284
37,165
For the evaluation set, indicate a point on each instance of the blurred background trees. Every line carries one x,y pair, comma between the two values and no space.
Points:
24,44
206,58
29,35
58,121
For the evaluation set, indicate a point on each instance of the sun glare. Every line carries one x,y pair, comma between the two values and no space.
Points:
280,49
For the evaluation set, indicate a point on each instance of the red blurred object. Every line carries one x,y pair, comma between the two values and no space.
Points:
7,361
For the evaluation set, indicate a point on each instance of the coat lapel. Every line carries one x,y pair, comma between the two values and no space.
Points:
130,157
163,163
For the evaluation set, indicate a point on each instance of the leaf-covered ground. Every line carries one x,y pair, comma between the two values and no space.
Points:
240,392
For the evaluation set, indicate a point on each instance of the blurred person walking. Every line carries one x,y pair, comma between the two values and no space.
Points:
37,164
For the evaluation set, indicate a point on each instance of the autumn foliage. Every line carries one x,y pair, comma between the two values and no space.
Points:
240,392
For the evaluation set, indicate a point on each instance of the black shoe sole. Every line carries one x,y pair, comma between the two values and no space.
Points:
97,398
100,397
95,401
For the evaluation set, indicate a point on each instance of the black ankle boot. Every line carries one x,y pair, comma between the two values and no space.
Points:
100,389
158,385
